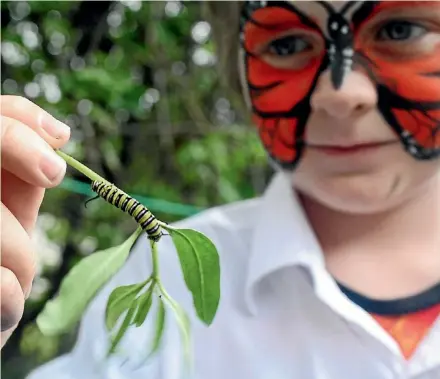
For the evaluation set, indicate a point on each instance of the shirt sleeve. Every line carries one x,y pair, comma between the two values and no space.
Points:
87,359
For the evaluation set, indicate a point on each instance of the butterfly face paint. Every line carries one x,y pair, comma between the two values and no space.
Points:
284,52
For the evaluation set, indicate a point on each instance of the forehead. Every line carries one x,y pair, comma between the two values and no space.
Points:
311,6
320,11
317,10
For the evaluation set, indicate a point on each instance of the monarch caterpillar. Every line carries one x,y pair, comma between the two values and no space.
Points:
126,203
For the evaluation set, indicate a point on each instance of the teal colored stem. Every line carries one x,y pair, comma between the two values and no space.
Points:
92,175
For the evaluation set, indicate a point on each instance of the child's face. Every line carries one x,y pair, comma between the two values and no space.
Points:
347,94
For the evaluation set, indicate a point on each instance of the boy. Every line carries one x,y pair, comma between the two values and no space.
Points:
335,272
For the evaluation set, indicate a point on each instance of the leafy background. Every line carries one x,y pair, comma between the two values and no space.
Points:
138,84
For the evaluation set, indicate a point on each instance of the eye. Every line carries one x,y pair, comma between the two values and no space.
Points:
288,45
401,31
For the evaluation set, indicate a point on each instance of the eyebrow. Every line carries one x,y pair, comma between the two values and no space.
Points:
249,8
372,8
399,4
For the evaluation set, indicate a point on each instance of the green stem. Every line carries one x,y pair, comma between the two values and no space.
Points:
166,226
155,259
174,305
80,167
182,320
166,295
148,281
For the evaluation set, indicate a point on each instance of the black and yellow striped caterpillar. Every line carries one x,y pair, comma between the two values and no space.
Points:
126,203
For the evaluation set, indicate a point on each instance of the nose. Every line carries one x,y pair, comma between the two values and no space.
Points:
356,96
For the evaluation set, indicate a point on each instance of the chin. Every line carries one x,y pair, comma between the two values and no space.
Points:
363,194
352,202
365,186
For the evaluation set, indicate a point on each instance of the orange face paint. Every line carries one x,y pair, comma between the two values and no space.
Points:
285,51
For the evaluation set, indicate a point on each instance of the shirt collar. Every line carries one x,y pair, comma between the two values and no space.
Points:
282,237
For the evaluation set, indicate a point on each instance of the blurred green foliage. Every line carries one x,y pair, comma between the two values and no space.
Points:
137,83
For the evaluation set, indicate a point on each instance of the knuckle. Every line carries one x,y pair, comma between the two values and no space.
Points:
7,131
19,104
14,136
19,107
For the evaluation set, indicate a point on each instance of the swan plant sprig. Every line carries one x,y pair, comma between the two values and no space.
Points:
129,305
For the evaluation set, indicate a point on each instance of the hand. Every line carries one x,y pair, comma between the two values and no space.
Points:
28,166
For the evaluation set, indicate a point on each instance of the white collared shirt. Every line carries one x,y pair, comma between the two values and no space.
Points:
281,315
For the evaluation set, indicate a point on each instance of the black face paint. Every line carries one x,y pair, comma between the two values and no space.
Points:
249,7
415,121
414,117
340,44
340,51
281,127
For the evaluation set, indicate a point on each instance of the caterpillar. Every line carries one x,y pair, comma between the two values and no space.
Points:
126,203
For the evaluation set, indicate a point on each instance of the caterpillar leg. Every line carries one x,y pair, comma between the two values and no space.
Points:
157,238
88,201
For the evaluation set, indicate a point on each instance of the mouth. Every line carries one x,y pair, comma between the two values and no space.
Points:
351,149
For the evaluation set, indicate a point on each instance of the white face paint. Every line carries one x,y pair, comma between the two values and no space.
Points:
320,12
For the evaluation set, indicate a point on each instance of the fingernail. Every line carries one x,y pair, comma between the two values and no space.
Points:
55,128
52,165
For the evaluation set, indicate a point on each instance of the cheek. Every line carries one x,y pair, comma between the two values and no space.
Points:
277,90
409,95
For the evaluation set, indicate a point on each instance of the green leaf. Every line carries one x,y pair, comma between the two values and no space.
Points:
119,301
80,286
144,301
128,320
160,323
201,270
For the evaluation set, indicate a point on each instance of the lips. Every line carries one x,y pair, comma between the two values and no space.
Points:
350,149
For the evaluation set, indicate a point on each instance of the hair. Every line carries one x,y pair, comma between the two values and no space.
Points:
224,17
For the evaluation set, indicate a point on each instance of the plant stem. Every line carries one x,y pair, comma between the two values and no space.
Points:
80,167
182,320
166,295
155,259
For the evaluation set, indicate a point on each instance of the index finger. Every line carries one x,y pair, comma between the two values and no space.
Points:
54,132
